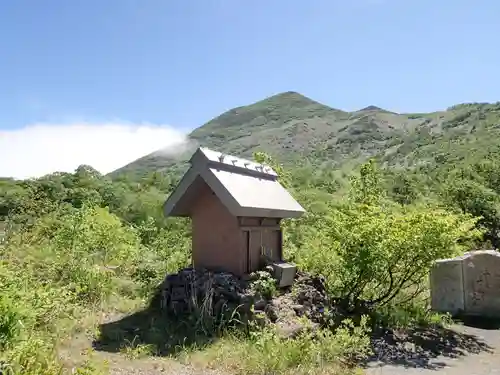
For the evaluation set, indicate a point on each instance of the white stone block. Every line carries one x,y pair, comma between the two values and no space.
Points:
468,284
447,293
481,271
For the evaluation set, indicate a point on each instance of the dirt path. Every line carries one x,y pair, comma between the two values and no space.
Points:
464,351
74,355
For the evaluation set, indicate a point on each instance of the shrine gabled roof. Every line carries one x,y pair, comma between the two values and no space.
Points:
245,187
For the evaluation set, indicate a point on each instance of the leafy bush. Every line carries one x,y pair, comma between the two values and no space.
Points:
263,284
30,313
374,251
98,236
10,322
35,356
471,196
86,251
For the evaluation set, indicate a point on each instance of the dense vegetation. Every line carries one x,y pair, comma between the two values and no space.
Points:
74,245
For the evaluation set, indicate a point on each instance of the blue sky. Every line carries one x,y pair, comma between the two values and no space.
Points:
165,66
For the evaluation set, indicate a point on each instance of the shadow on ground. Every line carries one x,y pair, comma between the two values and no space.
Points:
424,347
164,335
479,322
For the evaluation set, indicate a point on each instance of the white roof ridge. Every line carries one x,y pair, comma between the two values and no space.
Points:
235,163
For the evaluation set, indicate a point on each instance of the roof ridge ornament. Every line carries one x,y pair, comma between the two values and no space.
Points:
237,164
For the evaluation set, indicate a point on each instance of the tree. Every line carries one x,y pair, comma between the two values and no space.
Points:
374,252
478,200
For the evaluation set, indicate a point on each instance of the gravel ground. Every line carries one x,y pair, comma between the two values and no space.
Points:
153,367
119,364
464,350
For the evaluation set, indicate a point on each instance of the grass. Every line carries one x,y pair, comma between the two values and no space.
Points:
263,352
267,353
148,332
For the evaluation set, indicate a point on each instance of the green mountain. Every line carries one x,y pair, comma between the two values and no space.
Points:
294,129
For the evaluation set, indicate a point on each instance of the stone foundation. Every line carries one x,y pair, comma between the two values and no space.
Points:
190,290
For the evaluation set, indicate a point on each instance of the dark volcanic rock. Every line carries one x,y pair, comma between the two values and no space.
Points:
219,293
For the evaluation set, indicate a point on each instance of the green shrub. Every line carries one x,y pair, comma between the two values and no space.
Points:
34,356
263,283
372,250
10,322
86,251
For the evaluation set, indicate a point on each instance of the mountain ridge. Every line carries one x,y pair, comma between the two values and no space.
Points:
294,128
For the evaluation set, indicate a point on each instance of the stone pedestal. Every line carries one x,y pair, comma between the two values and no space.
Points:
469,284
482,283
447,286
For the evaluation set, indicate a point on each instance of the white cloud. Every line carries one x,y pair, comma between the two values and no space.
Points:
42,148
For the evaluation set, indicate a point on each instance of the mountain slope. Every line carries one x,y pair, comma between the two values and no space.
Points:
294,128
278,124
